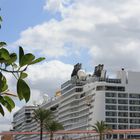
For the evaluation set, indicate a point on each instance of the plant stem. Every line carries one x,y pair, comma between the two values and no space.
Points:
12,71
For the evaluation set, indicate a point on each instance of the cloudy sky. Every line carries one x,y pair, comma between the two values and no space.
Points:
67,32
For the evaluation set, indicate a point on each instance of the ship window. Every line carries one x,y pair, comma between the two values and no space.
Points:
115,136
111,107
54,108
122,101
82,95
122,120
111,101
110,88
115,88
28,121
111,113
136,102
134,95
121,114
121,88
113,120
28,113
122,107
122,126
132,114
113,126
134,108
134,126
110,94
121,136
79,89
135,121
100,88
122,95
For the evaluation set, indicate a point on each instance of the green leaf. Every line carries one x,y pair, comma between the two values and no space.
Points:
19,90
10,101
27,59
23,75
2,44
0,82
37,60
5,104
2,100
0,19
1,110
2,60
3,83
5,87
8,106
4,54
23,90
21,54
13,58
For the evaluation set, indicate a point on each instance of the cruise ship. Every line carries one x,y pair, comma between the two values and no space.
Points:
87,98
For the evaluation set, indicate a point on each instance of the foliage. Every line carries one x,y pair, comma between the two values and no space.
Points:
101,128
15,64
42,116
53,126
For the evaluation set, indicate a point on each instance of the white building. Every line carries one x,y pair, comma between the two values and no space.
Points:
86,99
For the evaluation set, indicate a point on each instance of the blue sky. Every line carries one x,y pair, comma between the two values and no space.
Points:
19,15
67,32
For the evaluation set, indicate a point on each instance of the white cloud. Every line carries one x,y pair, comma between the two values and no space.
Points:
53,5
130,9
102,23
48,77
40,36
52,37
56,5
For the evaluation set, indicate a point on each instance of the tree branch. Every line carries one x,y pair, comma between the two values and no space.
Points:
13,71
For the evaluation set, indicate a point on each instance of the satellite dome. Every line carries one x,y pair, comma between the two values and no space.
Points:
81,74
45,97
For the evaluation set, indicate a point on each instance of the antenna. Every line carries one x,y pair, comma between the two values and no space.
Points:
45,98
